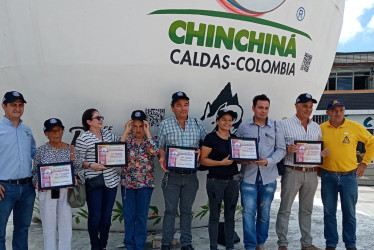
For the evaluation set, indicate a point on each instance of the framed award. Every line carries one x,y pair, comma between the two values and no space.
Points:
111,154
55,175
243,149
181,158
308,152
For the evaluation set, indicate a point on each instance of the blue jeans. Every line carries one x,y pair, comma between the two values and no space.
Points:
100,205
228,192
135,213
256,200
346,185
20,199
179,189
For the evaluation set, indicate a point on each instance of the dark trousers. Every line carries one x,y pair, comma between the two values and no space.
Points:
100,205
180,189
228,192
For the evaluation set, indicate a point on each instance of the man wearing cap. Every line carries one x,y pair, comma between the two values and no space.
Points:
137,179
179,186
259,177
17,194
298,178
340,171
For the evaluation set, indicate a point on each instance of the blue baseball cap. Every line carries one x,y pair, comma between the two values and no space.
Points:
51,123
177,96
333,103
303,98
11,96
138,115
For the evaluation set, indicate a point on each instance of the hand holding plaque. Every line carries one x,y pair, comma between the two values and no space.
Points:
181,158
111,154
55,175
243,149
308,152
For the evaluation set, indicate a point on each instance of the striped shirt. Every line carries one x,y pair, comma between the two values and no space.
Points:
85,144
171,133
294,130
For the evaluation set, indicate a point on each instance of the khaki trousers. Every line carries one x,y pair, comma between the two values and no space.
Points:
293,182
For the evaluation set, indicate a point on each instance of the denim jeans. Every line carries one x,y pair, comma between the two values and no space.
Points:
100,205
256,203
135,213
228,192
20,199
346,185
179,189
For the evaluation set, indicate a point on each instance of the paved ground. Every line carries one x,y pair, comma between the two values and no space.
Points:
365,228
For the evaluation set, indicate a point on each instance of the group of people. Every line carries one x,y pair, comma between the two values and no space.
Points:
255,181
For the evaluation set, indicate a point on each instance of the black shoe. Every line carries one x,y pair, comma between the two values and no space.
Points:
165,247
188,247
351,248
330,248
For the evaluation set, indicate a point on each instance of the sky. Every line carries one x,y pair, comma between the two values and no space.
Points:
358,27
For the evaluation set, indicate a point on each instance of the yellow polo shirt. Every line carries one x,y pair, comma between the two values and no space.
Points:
342,144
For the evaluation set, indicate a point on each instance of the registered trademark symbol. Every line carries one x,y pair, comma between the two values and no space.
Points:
300,14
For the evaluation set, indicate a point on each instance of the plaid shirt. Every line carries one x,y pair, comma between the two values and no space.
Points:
171,133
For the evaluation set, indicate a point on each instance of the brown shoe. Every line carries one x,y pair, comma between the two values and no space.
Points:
282,248
311,247
260,247
330,248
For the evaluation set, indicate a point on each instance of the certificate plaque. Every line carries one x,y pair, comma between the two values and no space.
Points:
111,154
308,152
243,149
55,175
181,158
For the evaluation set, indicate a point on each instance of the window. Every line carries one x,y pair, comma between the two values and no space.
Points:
319,118
345,81
361,80
331,82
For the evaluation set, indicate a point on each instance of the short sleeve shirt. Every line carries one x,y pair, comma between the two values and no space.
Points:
220,150
171,133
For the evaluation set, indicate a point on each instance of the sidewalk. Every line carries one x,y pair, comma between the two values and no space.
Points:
365,228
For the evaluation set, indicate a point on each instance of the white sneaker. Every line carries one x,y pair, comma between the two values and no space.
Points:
122,245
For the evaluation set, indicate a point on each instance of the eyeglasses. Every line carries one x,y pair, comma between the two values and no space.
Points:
99,118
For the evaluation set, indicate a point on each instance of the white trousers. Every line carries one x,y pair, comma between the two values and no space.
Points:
56,215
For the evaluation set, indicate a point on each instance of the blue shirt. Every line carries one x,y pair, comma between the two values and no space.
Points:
171,133
271,145
17,149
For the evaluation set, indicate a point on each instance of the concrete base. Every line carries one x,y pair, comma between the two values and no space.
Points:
365,229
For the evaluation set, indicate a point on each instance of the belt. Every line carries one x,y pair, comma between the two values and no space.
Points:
19,181
304,169
227,178
340,173
182,172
